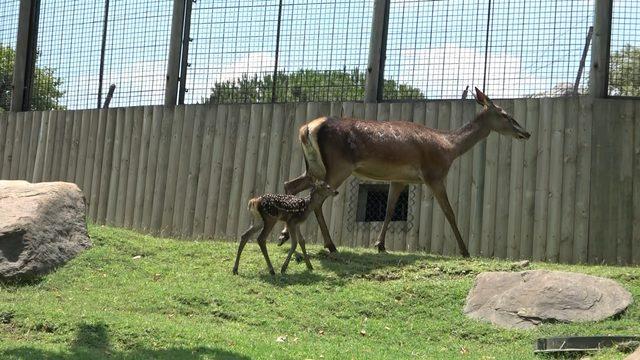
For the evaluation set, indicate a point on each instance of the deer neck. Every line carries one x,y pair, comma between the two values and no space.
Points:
468,135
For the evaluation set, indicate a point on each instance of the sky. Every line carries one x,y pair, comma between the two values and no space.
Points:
436,46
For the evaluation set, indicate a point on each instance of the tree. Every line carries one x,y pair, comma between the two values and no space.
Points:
46,91
304,85
624,72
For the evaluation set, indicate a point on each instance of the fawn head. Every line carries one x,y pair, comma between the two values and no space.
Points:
499,120
322,188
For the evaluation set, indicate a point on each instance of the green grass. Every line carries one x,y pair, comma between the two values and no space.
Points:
180,300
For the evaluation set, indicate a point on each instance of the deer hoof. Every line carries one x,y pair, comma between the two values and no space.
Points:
332,248
298,258
235,271
272,272
381,248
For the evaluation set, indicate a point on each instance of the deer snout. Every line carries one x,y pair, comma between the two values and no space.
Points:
524,135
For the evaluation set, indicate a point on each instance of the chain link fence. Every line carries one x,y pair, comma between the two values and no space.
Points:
8,30
624,66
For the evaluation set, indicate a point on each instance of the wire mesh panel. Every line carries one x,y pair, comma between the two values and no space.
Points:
232,54
624,69
69,37
9,10
323,50
510,48
137,50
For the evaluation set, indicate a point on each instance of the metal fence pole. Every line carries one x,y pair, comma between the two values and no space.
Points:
175,49
599,75
25,60
377,51
184,62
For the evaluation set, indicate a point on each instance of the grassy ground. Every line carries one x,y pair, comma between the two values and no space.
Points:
134,297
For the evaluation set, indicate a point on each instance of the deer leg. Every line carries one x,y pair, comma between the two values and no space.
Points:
243,241
440,192
304,250
262,242
324,229
294,244
395,189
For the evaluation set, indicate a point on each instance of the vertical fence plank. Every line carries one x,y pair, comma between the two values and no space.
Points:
490,191
219,140
96,175
38,165
17,138
554,212
583,180
161,169
227,169
107,164
152,163
56,170
515,184
623,141
180,193
4,122
114,178
8,146
172,171
440,225
502,191
143,163
250,166
194,173
610,241
542,181
427,202
33,143
94,116
125,156
85,118
24,145
237,173
572,109
600,168
204,172
449,247
75,145
69,119
635,251
137,116
529,179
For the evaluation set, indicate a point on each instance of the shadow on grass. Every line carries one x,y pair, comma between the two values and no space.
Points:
92,342
348,262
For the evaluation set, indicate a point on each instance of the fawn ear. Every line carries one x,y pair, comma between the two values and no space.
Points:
481,98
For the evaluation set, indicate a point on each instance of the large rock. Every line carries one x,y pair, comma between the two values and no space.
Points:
42,226
526,299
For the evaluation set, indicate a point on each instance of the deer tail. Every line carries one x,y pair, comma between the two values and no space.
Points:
253,205
312,155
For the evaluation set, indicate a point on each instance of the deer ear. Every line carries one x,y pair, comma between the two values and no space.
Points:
481,98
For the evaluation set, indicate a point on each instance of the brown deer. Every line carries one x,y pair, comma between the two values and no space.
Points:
268,209
398,152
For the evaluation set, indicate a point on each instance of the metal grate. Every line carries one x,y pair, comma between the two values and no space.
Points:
232,54
367,204
509,48
237,46
624,69
136,51
69,37
9,10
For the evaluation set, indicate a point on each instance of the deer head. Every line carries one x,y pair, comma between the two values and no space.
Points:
499,120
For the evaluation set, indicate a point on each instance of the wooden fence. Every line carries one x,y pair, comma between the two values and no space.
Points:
571,193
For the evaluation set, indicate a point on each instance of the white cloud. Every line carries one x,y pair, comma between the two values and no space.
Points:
446,71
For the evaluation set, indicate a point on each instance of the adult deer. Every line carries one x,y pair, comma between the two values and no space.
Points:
399,152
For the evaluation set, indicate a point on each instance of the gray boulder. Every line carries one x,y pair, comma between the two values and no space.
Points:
42,226
528,298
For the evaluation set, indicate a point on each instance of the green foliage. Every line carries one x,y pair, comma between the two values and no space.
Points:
304,85
137,297
46,91
624,72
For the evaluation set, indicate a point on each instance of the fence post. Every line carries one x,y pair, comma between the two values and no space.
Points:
175,49
599,75
377,51
25,54
186,39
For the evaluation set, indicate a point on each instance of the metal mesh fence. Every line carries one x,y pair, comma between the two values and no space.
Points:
8,28
69,37
509,48
237,46
624,67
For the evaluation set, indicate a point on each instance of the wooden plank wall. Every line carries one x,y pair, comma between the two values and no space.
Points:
571,193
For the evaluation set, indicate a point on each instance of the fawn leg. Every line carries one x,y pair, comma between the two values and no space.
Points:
262,242
294,244
304,250
243,241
